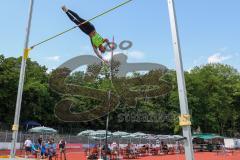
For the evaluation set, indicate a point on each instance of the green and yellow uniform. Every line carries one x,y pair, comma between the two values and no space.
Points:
97,40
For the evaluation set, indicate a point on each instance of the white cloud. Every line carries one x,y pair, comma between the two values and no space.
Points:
138,55
53,58
218,58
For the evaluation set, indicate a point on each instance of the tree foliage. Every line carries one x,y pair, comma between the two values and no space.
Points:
213,92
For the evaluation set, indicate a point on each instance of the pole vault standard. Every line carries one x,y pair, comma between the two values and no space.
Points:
185,117
20,85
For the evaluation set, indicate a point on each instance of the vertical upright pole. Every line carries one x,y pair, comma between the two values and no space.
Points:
181,81
20,85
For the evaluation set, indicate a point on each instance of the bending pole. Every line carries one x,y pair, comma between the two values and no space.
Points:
99,15
15,126
186,127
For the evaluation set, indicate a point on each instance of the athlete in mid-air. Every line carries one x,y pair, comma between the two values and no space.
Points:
97,41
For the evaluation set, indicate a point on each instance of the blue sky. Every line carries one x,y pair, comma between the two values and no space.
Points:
209,30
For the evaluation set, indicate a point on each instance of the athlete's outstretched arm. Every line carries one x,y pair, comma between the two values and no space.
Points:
98,54
110,44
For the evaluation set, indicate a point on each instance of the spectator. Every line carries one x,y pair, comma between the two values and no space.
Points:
35,148
114,150
51,149
28,146
93,153
43,150
40,140
62,148
164,148
114,147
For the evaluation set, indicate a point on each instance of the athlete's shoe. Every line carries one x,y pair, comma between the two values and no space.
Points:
64,8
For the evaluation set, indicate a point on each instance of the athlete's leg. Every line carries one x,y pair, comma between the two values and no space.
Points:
75,17
86,27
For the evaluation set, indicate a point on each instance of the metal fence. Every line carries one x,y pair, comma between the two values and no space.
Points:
6,136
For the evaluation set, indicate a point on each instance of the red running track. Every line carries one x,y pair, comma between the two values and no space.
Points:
198,156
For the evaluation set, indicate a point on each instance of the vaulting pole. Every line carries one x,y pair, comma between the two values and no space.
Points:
109,96
15,126
184,119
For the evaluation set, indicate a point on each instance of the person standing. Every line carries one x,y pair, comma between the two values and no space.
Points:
62,148
28,146
43,152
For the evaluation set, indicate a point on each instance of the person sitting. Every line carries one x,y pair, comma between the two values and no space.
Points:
93,153
35,150
164,148
114,150
130,151
106,150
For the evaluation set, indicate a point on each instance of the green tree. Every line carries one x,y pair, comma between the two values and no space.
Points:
37,102
212,97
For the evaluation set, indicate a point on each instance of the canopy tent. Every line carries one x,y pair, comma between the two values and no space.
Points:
100,134
150,137
162,137
30,124
207,136
42,129
138,135
120,134
86,133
